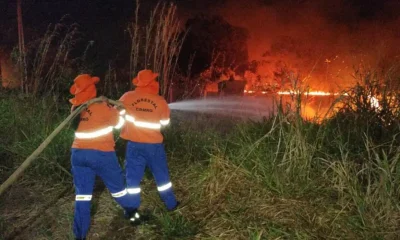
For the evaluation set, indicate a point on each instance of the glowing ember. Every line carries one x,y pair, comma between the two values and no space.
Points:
374,102
311,93
249,91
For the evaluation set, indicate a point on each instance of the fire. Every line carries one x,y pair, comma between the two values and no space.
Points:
374,102
311,93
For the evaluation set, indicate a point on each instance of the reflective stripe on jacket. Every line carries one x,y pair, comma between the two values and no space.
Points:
146,114
95,127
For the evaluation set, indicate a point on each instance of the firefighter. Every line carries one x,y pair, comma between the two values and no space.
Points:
93,153
146,113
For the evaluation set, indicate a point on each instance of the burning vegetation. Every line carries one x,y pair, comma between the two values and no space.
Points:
323,44
292,174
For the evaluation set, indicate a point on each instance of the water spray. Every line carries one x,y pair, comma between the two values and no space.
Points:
242,107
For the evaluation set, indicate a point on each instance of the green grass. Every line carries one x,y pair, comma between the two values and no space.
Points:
175,226
27,123
283,178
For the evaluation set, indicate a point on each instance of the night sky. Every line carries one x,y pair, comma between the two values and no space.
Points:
343,26
98,16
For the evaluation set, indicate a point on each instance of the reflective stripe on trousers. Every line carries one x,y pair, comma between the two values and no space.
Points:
142,155
119,194
83,197
133,190
164,187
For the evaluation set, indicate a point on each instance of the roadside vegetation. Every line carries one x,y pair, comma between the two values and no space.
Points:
280,178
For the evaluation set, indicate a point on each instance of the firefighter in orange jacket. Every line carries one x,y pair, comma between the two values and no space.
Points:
146,113
93,153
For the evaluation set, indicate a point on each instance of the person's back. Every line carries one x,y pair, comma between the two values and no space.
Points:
146,113
95,128
93,153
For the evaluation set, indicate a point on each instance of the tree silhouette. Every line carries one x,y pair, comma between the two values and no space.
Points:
213,41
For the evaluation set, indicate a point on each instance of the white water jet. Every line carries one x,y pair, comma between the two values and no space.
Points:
241,107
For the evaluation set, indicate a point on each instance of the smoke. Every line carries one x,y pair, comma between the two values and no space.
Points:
327,39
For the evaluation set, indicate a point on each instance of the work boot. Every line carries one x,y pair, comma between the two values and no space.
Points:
176,206
133,217
127,214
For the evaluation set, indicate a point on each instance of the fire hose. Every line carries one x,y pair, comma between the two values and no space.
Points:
17,173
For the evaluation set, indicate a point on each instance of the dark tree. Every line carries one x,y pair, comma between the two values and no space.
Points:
213,41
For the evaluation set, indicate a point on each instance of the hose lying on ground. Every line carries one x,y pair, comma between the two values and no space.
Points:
47,141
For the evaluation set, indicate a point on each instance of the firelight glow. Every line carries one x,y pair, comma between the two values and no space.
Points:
311,93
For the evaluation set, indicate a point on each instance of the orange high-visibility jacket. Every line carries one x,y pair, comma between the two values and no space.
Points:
146,113
96,126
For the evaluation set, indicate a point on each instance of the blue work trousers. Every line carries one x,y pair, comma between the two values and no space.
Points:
151,155
86,164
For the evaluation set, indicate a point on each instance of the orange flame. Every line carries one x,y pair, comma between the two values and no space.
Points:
311,93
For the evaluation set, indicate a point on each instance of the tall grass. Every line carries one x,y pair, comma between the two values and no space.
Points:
370,189
284,177
25,127
156,45
111,87
51,58
342,163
